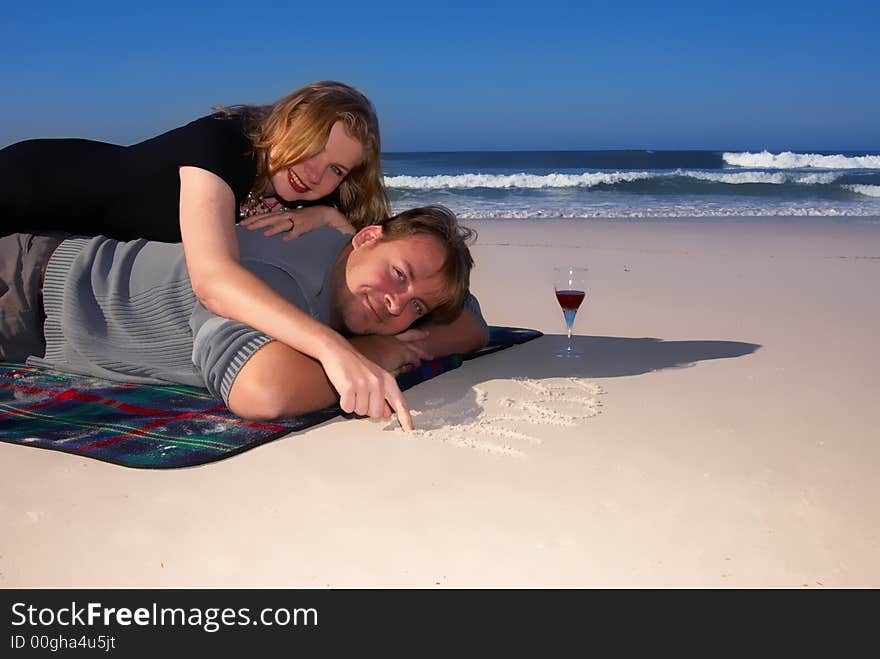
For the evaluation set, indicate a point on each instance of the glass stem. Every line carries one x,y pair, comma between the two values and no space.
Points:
569,324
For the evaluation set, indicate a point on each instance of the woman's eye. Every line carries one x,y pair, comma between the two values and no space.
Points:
337,171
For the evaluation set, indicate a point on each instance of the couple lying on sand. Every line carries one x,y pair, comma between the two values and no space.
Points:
200,305
126,310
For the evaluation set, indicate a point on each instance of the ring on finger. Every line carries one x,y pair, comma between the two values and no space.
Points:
291,224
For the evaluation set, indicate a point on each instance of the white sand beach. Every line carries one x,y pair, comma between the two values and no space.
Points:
721,431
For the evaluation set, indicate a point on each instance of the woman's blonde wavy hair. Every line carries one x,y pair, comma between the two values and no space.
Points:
297,127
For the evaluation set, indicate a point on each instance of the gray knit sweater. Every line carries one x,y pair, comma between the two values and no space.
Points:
126,311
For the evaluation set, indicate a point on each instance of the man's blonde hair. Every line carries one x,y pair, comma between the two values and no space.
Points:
439,222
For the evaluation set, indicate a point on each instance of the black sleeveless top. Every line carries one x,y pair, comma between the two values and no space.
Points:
94,188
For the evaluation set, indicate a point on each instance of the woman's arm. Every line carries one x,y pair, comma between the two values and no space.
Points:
226,288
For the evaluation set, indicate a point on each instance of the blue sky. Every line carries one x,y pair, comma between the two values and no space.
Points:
460,75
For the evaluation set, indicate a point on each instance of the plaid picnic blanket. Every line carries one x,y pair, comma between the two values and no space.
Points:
160,427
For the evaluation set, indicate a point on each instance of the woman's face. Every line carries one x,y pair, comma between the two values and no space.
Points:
321,174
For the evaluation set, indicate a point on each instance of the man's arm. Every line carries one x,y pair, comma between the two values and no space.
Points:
278,381
467,333
463,335
399,353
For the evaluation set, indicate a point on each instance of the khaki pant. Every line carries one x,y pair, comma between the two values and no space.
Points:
22,260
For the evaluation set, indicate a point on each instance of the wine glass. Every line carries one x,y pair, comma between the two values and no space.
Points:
570,285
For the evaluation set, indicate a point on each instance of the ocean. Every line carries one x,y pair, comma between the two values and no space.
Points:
843,186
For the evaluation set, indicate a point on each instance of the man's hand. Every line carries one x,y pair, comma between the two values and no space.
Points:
396,354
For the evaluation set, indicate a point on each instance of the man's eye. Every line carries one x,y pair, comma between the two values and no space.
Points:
399,274
418,307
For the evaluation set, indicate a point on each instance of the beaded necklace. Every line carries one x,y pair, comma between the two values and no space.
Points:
259,206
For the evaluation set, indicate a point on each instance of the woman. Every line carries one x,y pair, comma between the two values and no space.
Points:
321,142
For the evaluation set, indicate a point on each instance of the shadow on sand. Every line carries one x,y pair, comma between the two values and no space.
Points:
457,408
607,356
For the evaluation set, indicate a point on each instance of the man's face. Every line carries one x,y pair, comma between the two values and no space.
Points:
388,285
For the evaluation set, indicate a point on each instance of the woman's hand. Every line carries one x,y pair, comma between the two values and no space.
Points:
297,222
364,387
396,354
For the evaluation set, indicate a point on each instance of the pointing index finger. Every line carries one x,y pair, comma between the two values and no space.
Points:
398,404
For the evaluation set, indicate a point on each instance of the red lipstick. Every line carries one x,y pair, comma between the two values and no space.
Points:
296,182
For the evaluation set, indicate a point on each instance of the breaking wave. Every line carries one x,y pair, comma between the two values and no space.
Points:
791,160
867,190
596,179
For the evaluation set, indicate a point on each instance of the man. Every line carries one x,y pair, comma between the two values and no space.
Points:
126,311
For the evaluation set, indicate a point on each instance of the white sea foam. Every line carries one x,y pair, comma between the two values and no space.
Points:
790,160
521,180
867,190
593,179
772,178
665,212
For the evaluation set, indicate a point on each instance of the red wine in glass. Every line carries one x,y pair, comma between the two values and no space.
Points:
570,300
570,288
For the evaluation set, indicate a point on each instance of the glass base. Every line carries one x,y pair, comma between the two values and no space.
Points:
568,351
